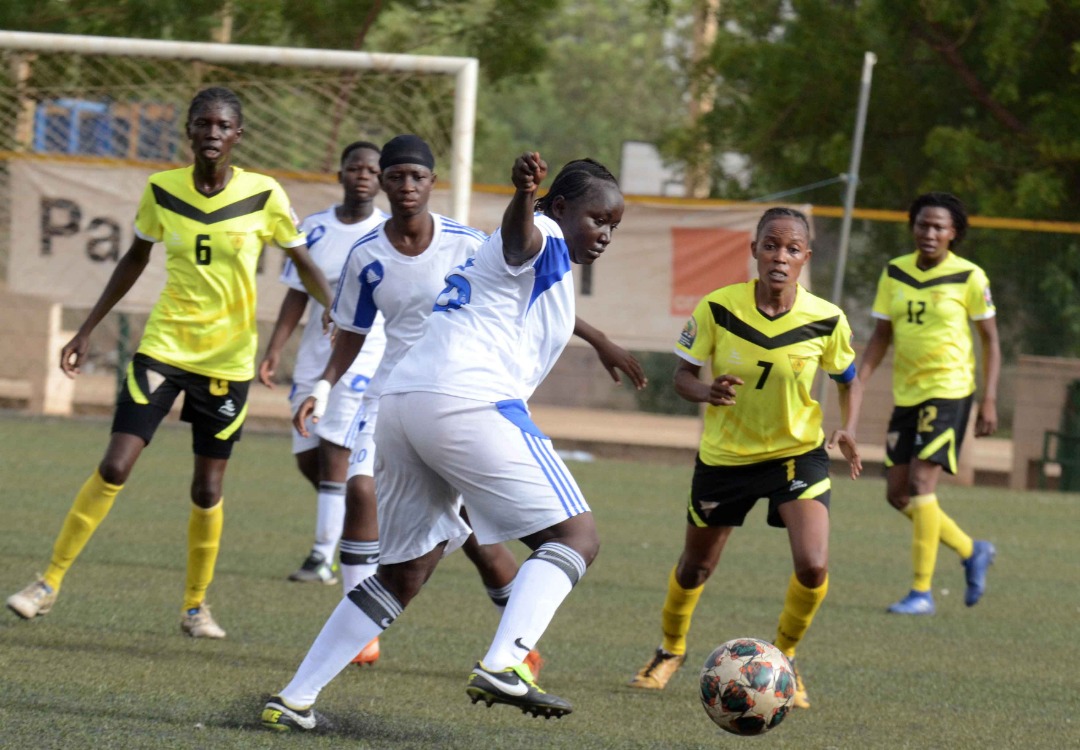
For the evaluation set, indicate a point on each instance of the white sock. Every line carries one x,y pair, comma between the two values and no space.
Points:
541,584
329,518
360,617
359,560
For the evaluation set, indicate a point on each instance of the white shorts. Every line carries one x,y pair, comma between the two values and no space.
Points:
362,458
341,421
433,446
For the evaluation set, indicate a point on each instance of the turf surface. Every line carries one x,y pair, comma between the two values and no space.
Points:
108,666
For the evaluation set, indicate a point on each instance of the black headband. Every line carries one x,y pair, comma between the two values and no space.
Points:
406,149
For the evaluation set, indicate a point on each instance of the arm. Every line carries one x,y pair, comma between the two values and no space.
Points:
612,356
521,239
347,345
720,392
127,272
875,349
311,275
987,419
292,309
850,404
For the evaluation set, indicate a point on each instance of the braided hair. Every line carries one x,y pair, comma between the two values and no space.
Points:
575,180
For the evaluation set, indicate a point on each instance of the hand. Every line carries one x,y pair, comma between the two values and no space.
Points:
722,390
267,368
849,448
614,358
528,172
327,321
299,419
986,420
73,354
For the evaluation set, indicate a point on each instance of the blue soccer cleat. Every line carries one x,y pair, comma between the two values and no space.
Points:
915,603
982,557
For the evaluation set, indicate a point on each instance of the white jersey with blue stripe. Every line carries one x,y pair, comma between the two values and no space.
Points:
496,330
379,279
329,241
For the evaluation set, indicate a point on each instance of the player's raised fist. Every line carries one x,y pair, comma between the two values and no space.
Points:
529,171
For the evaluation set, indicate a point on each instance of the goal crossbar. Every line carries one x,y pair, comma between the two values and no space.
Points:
465,70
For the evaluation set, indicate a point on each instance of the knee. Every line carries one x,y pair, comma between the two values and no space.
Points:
114,470
205,494
897,498
812,574
690,574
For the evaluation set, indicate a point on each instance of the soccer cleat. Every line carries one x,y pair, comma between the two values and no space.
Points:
658,670
514,686
315,569
369,654
982,557
34,600
801,700
278,716
915,603
535,663
199,623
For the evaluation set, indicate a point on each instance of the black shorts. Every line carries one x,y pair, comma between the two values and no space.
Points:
933,431
215,408
723,495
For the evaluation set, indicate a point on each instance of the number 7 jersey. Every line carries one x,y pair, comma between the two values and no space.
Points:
933,352
774,415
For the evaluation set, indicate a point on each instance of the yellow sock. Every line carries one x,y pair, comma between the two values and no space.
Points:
678,609
204,540
926,535
952,536
800,606
91,505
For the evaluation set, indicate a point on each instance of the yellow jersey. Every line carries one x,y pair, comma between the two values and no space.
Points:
204,320
930,311
774,415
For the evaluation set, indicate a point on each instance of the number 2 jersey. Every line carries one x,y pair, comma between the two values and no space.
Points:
933,350
774,415
496,330
204,320
377,278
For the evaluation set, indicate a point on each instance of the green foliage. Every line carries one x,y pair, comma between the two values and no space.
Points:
109,668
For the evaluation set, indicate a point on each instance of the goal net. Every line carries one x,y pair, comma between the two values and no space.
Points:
125,100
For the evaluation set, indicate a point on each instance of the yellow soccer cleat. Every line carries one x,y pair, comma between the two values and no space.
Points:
658,670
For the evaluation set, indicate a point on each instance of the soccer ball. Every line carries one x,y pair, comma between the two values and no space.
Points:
747,686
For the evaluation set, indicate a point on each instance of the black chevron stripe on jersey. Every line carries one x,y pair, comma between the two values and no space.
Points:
248,205
904,278
727,320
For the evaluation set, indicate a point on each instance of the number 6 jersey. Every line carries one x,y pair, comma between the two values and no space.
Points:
204,320
933,355
774,415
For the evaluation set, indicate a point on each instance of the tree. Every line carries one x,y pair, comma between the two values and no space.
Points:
972,96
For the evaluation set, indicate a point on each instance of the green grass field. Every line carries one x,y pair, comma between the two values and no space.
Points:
108,668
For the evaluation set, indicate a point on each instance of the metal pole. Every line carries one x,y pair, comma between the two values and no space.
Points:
869,59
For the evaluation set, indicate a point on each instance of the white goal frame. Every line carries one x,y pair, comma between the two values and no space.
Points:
465,71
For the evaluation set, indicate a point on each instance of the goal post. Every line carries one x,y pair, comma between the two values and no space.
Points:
462,70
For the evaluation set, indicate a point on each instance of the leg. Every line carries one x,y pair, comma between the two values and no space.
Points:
360,532
807,522
308,464
204,541
93,503
702,548
360,618
332,468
